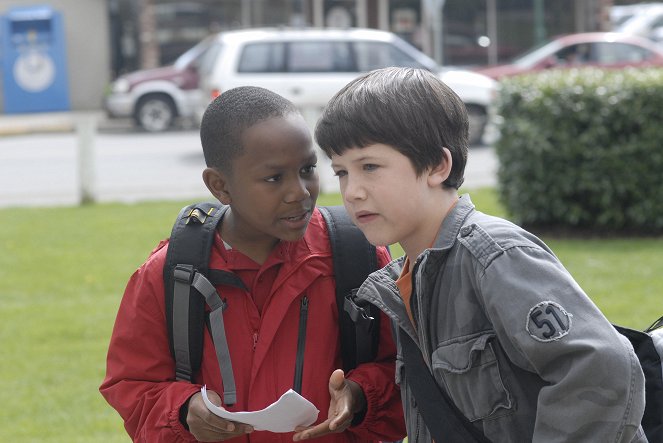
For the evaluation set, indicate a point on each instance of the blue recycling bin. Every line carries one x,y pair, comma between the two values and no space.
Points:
34,65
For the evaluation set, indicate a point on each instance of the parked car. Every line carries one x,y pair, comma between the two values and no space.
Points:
619,14
645,20
601,49
308,66
155,98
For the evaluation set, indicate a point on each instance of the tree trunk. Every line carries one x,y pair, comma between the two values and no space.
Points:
149,46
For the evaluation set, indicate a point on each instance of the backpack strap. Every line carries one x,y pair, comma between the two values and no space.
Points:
442,417
354,259
644,345
207,289
656,325
187,264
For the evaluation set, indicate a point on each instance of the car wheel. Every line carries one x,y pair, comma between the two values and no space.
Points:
155,113
478,118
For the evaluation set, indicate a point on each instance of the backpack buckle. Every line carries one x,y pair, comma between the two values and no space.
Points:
357,313
197,216
183,274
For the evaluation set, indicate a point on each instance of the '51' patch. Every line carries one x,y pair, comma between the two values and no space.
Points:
548,321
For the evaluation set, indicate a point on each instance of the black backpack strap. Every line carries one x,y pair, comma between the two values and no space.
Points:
354,259
650,361
443,419
657,324
188,252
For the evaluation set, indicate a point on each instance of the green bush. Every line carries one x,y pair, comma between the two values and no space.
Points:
583,149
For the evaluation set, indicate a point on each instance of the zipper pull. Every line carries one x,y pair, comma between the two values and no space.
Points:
255,340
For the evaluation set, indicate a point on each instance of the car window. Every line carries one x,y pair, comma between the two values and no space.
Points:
194,55
375,55
319,56
209,58
262,57
613,53
537,54
574,54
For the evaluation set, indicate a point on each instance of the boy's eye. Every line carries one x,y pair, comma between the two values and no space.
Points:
308,170
340,173
370,167
273,178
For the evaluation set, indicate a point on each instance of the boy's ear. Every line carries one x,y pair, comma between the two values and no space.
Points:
216,182
438,174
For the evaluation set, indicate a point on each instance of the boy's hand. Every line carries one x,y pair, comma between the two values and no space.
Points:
347,398
206,426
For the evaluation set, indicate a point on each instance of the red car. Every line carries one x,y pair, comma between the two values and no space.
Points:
601,49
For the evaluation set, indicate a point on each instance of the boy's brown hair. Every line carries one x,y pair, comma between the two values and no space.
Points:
409,109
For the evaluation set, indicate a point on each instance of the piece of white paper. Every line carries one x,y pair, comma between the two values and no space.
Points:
283,415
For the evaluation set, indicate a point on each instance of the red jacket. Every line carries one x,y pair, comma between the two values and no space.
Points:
140,378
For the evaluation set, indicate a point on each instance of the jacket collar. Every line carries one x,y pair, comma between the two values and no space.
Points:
314,243
452,223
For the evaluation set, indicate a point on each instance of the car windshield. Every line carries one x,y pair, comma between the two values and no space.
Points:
617,22
421,58
192,53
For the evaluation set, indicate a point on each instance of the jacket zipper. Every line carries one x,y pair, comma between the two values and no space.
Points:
301,341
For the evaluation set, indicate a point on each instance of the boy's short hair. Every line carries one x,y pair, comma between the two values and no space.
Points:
230,114
409,109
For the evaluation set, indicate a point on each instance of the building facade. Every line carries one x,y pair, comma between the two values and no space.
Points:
454,32
105,38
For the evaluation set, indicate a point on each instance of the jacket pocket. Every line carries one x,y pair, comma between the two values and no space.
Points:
469,370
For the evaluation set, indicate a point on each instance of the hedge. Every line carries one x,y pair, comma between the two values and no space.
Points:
583,149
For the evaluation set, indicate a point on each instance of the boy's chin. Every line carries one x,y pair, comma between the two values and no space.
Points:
293,235
377,240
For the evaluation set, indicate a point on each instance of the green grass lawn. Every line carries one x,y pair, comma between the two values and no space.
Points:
63,271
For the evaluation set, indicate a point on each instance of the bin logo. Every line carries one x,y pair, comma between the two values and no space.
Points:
34,69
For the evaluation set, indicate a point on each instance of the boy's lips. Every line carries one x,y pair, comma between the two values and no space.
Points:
297,215
298,219
365,216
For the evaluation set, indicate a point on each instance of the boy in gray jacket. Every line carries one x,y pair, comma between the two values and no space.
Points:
518,346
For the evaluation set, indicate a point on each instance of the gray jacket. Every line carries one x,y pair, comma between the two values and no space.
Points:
512,338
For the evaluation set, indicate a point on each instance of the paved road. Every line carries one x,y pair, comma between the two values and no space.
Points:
44,168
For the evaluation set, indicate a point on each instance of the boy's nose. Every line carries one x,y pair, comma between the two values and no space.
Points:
352,189
297,191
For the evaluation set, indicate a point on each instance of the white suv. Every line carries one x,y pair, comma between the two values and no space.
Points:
308,66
